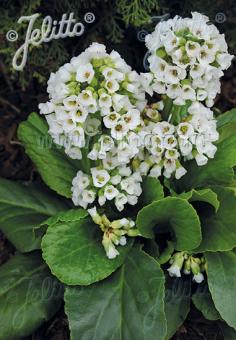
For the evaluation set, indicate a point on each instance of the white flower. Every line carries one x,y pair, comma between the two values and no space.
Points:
85,73
201,159
112,252
185,130
171,42
88,196
185,146
192,48
77,137
111,119
174,90
146,79
224,60
173,74
174,270
112,85
105,100
100,177
132,118
120,201
163,129
155,171
112,74
159,87
121,102
73,152
169,165
197,70
79,115
198,277
110,192
119,130
68,125
188,93
169,142
206,56
123,241
46,108
115,179
180,172
70,102
172,154
132,200
86,98
101,200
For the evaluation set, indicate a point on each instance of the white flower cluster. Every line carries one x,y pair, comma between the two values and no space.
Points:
168,145
120,185
114,233
98,111
94,88
187,57
189,264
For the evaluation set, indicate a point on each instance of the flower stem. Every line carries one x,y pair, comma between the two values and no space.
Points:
168,103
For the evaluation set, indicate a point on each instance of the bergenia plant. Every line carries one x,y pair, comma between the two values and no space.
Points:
141,216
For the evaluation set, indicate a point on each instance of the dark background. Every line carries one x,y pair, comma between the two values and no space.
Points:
120,25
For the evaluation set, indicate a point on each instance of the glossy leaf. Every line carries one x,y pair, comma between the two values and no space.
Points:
127,305
73,250
201,195
56,169
176,215
29,296
222,284
22,208
152,191
177,303
218,229
218,171
203,302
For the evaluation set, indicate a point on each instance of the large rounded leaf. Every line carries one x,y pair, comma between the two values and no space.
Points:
29,296
22,209
175,213
152,191
201,195
177,303
73,250
203,302
218,229
218,170
222,284
57,170
127,305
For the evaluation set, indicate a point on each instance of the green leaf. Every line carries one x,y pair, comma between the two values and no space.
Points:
74,252
227,117
29,296
216,171
152,191
221,274
63,216
202,195
177,303
56,169
218,229
176,215
22,208
166,254
203,302
127,305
